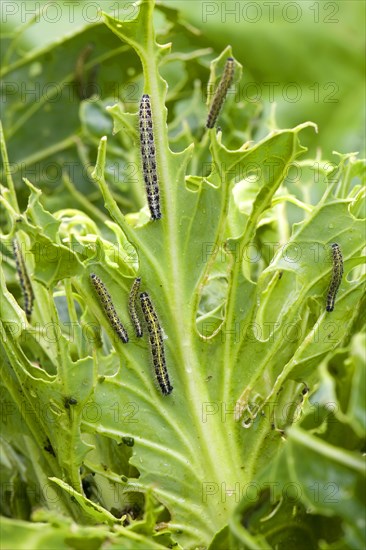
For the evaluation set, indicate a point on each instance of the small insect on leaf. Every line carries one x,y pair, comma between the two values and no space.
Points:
336,279
109,309
220,94
132,307
147,145
85,82
24,280
156,344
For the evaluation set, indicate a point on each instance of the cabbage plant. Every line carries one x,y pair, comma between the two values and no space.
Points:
260,443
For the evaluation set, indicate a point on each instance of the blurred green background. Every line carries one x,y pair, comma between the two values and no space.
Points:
308,57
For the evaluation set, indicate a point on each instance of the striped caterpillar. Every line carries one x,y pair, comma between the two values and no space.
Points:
132,307
156,343
220,94
336,276
147,146
109,309
24,280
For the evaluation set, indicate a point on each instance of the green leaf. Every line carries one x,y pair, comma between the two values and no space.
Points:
266,396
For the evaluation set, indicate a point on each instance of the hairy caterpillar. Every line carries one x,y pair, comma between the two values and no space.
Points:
156,344
132,307
147,145
337,273
220,94
107,304
24,280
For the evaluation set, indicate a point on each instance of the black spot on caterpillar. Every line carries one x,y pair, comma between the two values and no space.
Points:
132,307
109,309
24,281
147,145
156,343
220,94
336,279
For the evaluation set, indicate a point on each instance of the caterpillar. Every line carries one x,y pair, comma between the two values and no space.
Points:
336,279
147,146
85,82
109,309
25,284
132,307
156,343
220,94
